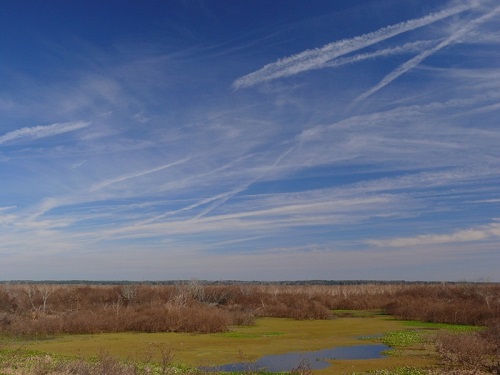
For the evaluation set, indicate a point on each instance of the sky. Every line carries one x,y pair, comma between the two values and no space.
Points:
250,140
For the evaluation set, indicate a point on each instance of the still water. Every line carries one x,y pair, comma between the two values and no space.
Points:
313,360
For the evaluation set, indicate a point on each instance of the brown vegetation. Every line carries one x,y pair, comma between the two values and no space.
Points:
473,304
41,309
477,352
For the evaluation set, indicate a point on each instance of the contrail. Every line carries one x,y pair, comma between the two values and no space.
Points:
405,48
109,182
231,194
42,131
422,56
316,58
218,199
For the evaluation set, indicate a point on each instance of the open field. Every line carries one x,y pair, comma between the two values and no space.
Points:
194,324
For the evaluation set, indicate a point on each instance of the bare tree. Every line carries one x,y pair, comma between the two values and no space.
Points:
45,292
129,293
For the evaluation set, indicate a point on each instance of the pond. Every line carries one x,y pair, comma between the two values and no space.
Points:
314,360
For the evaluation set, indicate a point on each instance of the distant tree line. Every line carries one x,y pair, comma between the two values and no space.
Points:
238,282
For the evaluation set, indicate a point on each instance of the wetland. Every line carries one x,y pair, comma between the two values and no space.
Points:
303,329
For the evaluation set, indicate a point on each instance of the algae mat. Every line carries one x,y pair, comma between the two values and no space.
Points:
268,336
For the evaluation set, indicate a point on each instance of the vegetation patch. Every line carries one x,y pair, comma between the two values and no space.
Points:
248,335
357,313
445,326
403,338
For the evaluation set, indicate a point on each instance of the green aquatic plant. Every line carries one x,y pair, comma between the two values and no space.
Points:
445,326
403,338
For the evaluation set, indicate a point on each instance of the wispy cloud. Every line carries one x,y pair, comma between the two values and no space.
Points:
465,235
78,164
327,210
41,131
320,57
109,182
247,185
6,208
496,200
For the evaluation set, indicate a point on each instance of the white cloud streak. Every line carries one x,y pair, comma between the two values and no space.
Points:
42,131
318,58
466,235
107,183
326,210
410,64
405,48
218,199
246,186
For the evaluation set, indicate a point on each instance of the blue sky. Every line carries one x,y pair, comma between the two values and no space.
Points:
251,140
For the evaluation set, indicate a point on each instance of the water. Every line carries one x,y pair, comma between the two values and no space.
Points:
313,360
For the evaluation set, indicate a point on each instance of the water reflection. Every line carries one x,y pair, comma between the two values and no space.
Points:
314,360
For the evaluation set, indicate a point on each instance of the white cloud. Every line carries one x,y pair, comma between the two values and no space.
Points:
141,117
42,131
465,235
487,201
78,164
262,215
319,58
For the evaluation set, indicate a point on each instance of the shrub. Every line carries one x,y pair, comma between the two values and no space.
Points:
198,307
467,351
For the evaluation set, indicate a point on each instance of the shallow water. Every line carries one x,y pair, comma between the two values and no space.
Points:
313,360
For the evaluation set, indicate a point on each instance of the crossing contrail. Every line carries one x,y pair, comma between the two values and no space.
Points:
420,57
318,57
